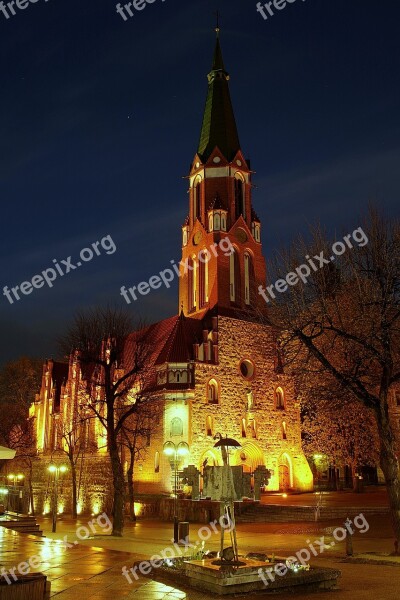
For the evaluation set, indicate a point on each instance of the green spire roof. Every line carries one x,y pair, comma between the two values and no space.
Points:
219,125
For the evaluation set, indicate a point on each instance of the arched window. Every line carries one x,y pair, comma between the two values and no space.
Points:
212,392
202,283
279,398
176,427
284,432
192,282
209,426
248,278
196,200
234,276
244,433
157,462
240,208
252,429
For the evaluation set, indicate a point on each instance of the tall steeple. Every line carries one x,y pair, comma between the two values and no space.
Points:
222,262
219,125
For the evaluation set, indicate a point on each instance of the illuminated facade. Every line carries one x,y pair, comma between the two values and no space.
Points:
217,368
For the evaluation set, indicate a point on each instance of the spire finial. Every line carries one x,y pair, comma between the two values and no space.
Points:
217,29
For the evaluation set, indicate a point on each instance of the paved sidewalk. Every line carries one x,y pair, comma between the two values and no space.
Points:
92,569
90,573
147,537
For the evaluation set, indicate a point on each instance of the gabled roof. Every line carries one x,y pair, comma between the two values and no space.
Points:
179,346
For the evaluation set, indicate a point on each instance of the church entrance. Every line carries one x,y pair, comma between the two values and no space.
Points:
285,473
284,478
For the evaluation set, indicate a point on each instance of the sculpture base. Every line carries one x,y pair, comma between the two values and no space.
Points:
227,580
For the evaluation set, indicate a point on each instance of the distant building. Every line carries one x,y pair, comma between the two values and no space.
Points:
217,367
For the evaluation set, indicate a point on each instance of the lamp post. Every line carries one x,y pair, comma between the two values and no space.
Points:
56,469
14,480
172,449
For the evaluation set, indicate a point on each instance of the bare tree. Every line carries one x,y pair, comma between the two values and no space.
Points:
135,436
72,441
344,431
19,382
115,364
17,432
344,315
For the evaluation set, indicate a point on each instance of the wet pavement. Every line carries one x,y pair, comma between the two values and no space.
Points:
91,569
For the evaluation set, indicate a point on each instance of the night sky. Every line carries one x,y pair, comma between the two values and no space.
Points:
100,119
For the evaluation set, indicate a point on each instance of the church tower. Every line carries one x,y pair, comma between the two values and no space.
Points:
222,262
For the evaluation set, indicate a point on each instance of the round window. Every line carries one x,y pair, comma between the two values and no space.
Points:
247,368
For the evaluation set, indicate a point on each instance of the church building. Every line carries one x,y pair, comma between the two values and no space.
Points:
217,367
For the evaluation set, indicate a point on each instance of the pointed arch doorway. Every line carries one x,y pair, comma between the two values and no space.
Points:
285,473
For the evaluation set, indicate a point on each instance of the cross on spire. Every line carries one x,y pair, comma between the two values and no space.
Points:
217,28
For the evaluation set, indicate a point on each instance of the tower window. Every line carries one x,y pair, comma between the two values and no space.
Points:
212,392
244,433
202,283
192,283
157,462
284,433
248,278
239,198
196,200
279,399
209,426
234,276
176,427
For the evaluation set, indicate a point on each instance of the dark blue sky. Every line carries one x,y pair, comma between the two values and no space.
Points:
100,119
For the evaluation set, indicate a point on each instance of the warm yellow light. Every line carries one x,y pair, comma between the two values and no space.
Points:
169,448
10,476
317,456
20,476
79,508
284,495
138,508
183,449
54,468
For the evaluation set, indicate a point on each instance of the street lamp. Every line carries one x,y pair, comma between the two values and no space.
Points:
56,469
15,478
171,449
15,498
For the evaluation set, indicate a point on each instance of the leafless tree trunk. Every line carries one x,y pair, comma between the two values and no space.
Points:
114,358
